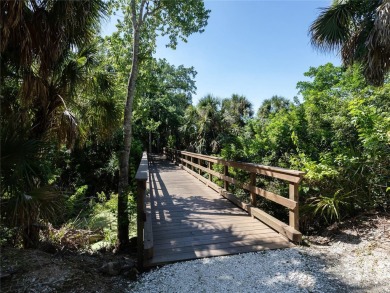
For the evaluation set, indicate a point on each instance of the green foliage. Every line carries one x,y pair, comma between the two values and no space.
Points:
61,115
56,93
339,135
27,199
330,207
159,108
214,123
8,235
171,142
76,202
88,218
104,217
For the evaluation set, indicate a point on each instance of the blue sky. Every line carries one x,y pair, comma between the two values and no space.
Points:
254,48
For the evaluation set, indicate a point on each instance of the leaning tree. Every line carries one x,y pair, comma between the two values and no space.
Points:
143,20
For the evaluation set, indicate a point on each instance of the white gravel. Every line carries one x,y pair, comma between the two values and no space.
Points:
341,267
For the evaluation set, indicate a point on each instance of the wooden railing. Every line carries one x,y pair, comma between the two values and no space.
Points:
195,164
144,221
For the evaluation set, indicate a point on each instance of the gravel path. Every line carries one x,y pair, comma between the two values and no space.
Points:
340,267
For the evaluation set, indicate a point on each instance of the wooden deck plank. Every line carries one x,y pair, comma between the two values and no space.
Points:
211,239
169,258
198,225
214,227
191,220
219,226
178,210
198,232
212,236
216,246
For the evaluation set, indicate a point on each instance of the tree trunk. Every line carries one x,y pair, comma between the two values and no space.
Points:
123,217
30,236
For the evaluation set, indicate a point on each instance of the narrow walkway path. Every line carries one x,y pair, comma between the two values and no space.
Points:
190,220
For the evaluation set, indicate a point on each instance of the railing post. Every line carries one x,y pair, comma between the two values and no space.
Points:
294,214
253,195
199,163
210,167
226,173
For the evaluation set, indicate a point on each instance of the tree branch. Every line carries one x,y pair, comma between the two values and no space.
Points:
141,12
156,8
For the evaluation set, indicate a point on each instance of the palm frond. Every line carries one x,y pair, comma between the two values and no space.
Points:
21,164
332,27
360,31
382,24
26,208
68,128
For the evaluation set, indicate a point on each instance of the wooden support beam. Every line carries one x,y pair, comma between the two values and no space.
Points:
226,173
253,194
210,168
230,196
285,230
282,228
294,213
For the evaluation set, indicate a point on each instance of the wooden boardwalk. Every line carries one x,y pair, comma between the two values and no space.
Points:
190,220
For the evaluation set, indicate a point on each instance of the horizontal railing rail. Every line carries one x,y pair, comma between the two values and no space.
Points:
144,221
192,162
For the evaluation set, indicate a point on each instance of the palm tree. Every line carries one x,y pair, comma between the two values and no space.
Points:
209,124
45,57
45,47
43,30
236,111
272,106
359,30
189,128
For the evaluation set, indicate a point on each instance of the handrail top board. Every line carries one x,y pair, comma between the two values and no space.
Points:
143,169
248,166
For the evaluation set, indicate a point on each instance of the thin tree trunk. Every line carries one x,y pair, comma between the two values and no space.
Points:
123,217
